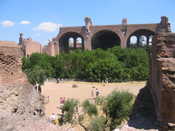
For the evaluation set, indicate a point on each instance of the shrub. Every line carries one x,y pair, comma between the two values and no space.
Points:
118,107
97,124
100,100
89,108
69,109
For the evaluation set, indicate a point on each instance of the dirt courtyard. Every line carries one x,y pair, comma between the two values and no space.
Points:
82,91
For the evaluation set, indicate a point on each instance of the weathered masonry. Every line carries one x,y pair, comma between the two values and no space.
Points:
91,36
161,82
162,78
10,63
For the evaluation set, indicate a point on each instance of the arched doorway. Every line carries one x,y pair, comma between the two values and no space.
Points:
105,39
70,41
140,38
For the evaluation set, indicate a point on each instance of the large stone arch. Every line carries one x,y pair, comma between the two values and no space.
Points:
64,41
138,34
105,39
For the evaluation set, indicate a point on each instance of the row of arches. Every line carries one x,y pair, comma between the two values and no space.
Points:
140,38
140,41
71,41
75,42
105,39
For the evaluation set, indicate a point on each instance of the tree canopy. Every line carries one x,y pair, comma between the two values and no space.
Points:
115,64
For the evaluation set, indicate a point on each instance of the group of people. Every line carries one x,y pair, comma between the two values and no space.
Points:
54,117
59,80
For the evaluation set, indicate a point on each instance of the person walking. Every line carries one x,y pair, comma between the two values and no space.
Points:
97,92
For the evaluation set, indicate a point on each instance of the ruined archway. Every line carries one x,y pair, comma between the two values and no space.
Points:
140,38
70,41
105,39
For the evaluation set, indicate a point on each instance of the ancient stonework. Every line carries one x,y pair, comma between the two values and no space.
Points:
90,37
163,77
30,46
10,66
20,104
104,35
157,99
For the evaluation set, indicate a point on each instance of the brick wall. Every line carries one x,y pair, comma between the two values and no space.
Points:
32,47
10,66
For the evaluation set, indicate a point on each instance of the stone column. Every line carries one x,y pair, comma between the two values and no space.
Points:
147,40
75,42
56,46
123,43
87,42
138,40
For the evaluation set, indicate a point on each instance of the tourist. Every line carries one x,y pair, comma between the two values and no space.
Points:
58,80
92,93
53,118
62,101
97,92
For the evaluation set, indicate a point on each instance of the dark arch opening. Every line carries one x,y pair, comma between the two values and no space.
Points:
65,42
143,38
105,39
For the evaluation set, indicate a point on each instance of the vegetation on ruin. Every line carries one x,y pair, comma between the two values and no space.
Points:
112,65
115,109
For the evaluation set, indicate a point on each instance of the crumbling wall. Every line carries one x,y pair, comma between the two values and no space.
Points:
19,101
162,79
10,66
161,82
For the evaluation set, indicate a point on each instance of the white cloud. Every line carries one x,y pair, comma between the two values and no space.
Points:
25,22
48,27
7,23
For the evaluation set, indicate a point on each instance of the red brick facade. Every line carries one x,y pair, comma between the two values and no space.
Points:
10,64
86,37
123,31
29,46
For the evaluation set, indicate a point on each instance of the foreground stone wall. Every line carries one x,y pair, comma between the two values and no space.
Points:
162,80
20,104
10,66
157,100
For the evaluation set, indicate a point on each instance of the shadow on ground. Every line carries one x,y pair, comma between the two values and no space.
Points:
140,122
144,115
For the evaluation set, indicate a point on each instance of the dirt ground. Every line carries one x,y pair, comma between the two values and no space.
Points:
53,91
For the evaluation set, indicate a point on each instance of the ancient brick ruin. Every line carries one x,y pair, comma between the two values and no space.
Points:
161,83
18,100
89,36
30,46
10,64
162,79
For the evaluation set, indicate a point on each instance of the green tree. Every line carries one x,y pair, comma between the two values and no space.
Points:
89,108
36,75
115,64
118,108
69,109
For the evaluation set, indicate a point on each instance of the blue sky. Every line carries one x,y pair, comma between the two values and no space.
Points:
41,19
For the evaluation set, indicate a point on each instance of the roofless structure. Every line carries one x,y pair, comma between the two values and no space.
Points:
89,36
